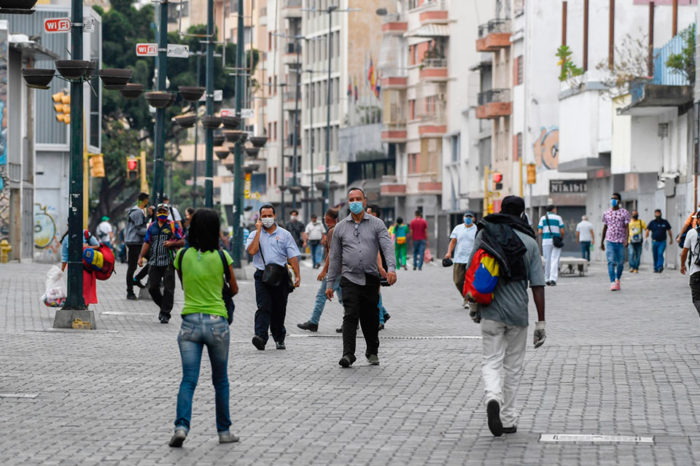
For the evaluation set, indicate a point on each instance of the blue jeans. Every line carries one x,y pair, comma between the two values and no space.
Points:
658,248
635,255
586,250
418,253
615,253
316,248
382,310
197,331
321,299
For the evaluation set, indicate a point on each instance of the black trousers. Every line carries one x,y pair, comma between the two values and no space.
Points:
695,290
167,274
360,303
133,251
272,309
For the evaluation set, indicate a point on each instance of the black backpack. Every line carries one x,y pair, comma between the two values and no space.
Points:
226,293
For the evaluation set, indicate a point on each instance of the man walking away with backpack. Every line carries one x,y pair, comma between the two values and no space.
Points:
551,228
636,239
162,237
134,234
659,227
504,321
692,245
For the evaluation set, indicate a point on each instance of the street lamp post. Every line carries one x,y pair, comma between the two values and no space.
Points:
159,130
238,151
209,133
295,137
74,300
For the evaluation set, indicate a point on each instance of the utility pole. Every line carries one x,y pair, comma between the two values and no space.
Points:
209,133
196,129
295,137
162,67
74,300
329,86
238,151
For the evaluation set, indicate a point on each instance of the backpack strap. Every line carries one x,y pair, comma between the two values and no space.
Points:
179,264
227,271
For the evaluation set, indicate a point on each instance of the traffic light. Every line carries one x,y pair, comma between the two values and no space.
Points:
132,168
531,173
97,166
497,178
62,107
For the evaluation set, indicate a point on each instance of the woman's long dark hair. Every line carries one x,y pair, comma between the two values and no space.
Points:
204,230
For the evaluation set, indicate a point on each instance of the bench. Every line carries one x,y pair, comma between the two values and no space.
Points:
570,265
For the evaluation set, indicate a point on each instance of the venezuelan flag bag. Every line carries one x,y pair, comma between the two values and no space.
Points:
481,278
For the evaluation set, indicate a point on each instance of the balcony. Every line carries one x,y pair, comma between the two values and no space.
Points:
439,16
291,9
395,133
494,103
430,187
395,82
290,54
393,25
391,187
493,36
434,70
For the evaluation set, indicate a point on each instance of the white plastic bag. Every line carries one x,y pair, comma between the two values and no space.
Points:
55,294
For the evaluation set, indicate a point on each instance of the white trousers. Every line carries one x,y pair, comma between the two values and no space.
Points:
551,262
502,366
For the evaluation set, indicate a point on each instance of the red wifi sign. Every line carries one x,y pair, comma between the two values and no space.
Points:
146,50
54,25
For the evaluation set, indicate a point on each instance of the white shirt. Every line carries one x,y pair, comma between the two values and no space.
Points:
691,242
315,231
465,242
103,230
174,215
584,229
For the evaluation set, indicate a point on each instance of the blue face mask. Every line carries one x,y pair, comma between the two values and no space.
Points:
468,221
613,202
356,207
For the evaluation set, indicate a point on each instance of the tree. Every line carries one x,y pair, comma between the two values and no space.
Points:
684,63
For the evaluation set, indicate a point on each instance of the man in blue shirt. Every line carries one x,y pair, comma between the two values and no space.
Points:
461,244
659,227
271,245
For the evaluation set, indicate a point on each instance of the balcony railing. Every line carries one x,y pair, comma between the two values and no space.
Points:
495,26
435,63
291,4
494,95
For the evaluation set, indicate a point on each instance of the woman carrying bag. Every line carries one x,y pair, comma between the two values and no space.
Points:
204,321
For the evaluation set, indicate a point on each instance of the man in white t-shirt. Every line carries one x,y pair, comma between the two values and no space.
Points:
460,249
551,226
174,215
691,245
313,236
584,237
104,232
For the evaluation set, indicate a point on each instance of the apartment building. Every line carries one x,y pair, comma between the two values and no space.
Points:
415,79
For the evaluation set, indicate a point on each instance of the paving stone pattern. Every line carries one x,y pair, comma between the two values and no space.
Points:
624,363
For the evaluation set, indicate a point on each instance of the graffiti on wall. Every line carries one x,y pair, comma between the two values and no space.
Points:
45,228
4,189
546,148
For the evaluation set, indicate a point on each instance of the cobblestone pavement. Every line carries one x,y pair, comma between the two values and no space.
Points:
625,363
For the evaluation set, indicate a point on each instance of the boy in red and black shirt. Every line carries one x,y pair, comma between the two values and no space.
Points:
161,238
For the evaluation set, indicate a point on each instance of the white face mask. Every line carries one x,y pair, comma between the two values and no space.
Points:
293,217
268,222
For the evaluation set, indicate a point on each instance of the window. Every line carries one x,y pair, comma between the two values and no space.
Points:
412,109
274,131
455,148
412,163
517,147
518,70
269,41
412,51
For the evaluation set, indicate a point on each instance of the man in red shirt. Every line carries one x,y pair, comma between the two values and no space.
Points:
419,234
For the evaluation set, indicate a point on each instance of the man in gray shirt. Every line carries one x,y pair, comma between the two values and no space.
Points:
504,321
357,242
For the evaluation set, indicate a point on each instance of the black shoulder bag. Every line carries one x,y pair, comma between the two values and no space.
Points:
557,240
226,293
273,274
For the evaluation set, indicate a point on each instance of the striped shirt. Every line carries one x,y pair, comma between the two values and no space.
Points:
551,227
156,236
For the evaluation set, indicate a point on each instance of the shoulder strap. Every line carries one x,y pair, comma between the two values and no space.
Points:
548,227
260,247
227,272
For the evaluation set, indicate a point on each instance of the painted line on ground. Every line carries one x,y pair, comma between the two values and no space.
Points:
572,438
